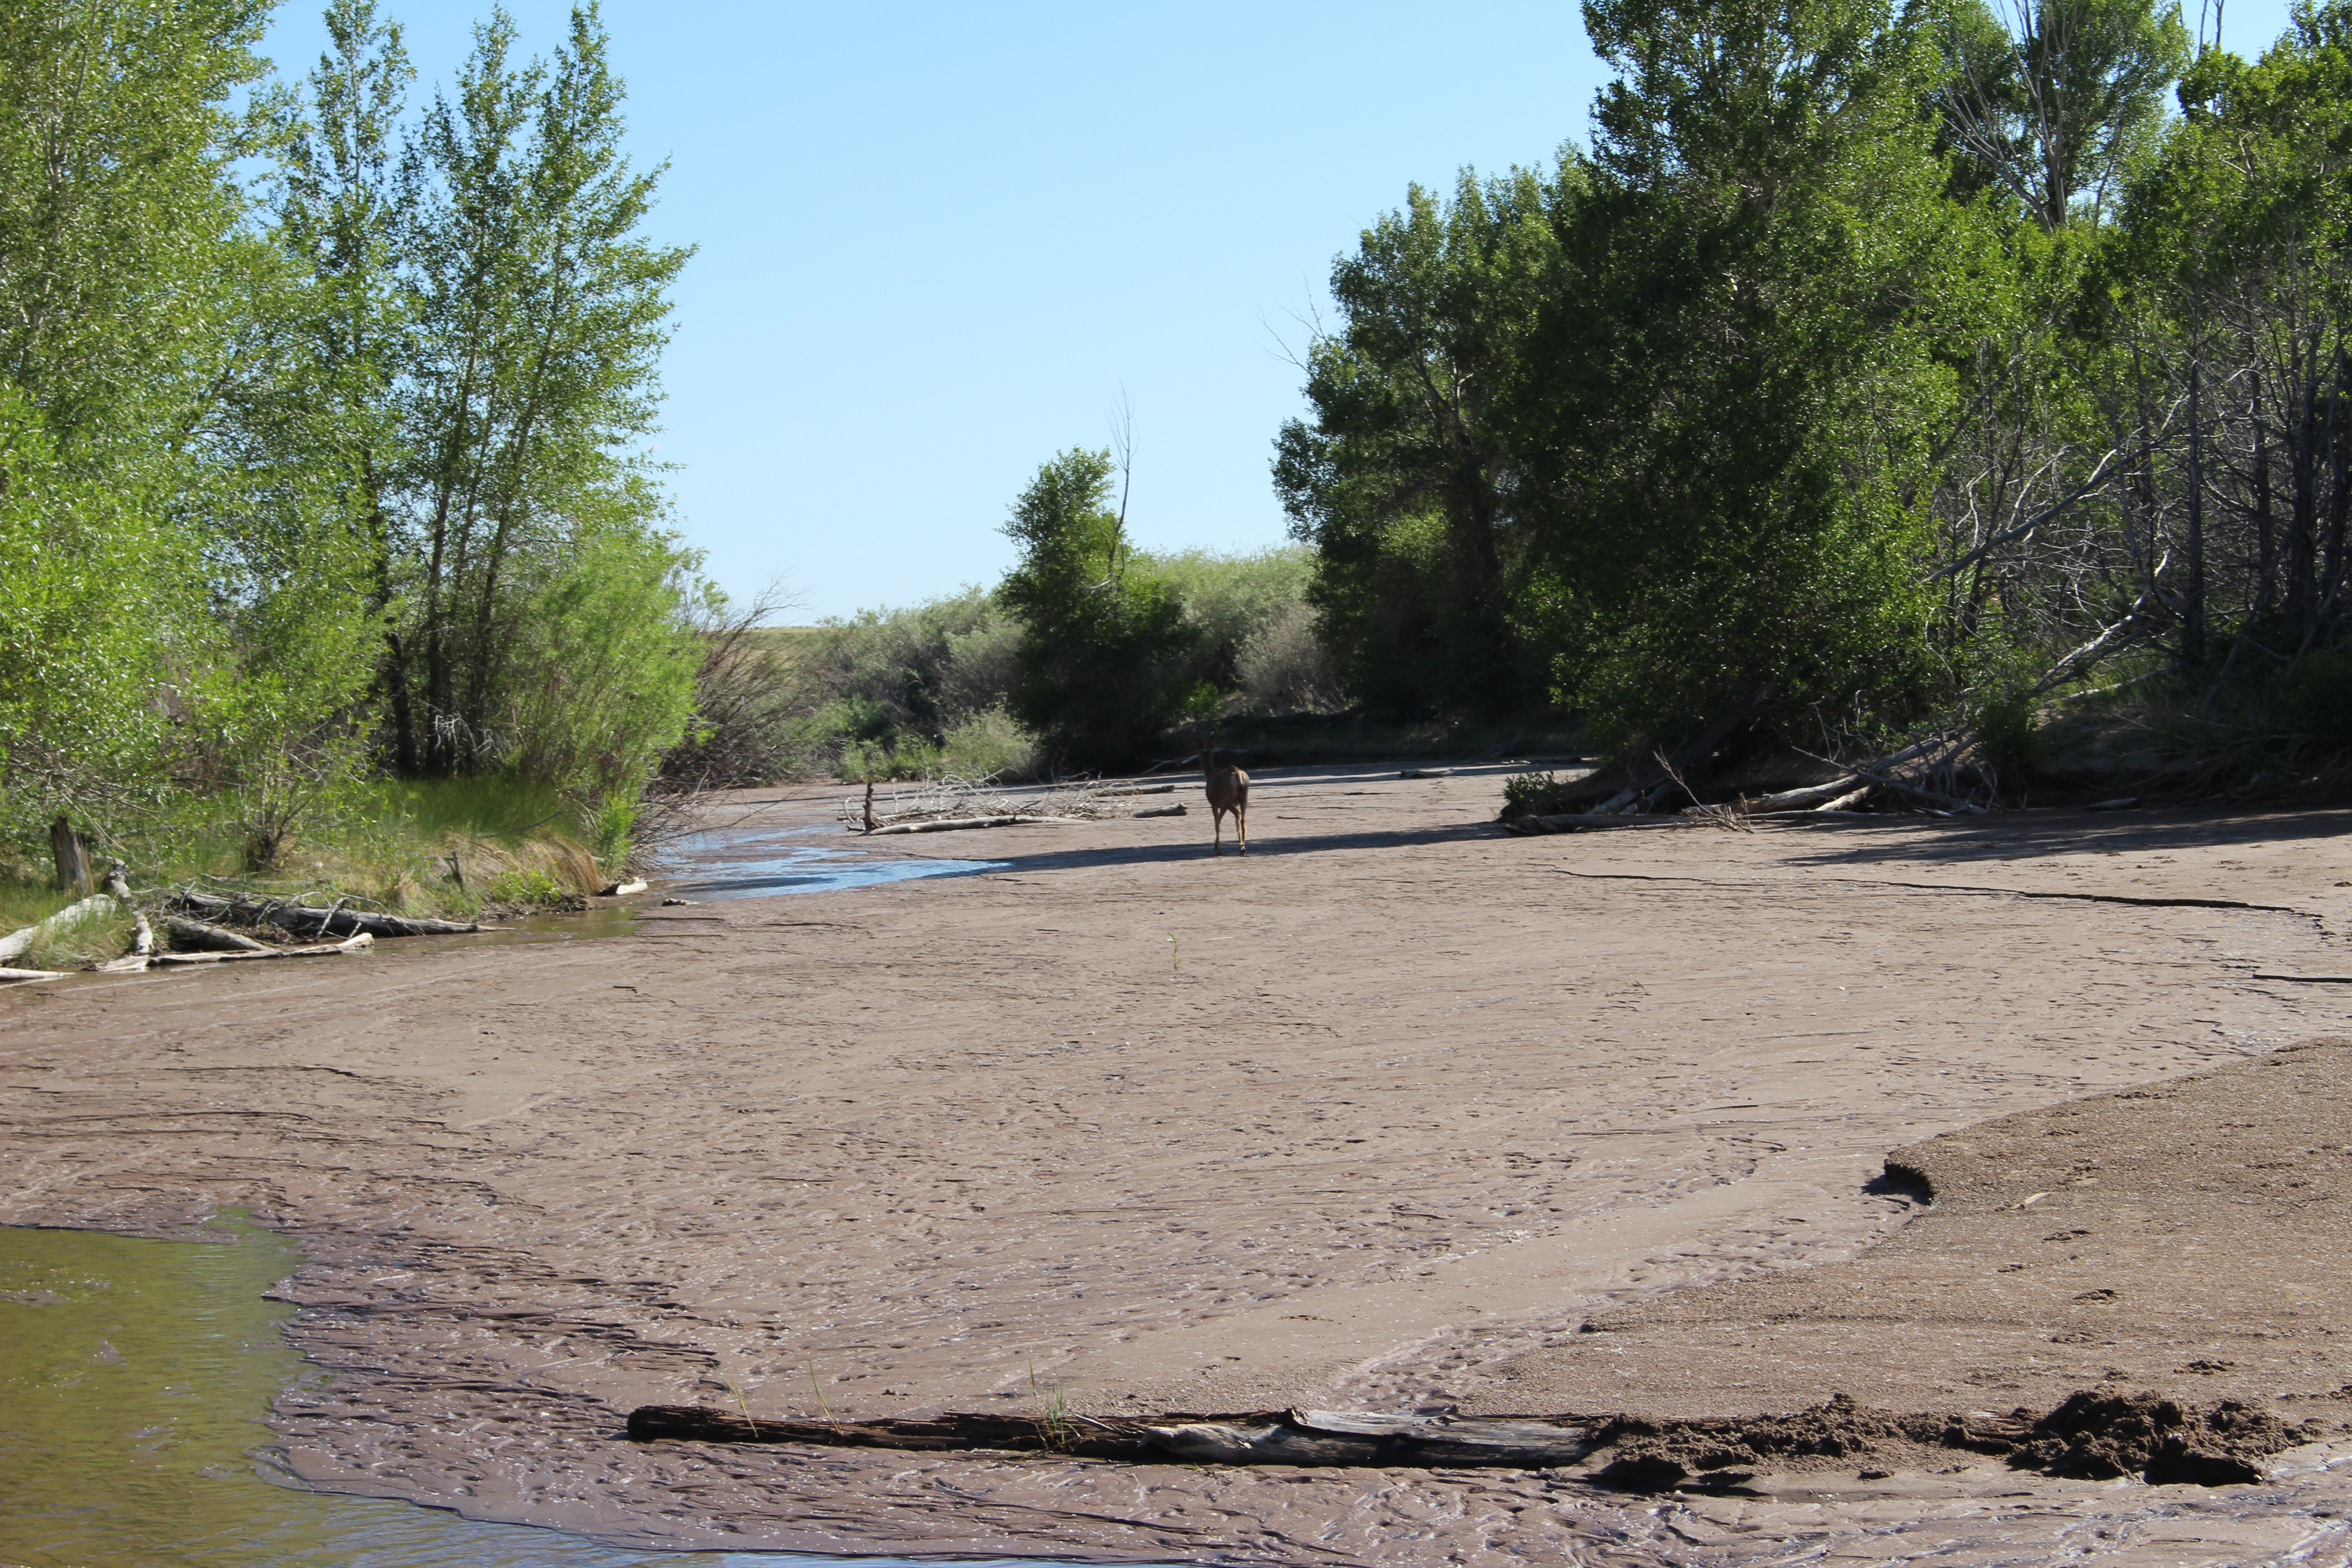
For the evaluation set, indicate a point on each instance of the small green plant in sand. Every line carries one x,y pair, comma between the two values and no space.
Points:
741,1404
819,1392
1532,794
1053,1411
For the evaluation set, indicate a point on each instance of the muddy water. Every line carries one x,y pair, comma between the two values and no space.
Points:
133,1378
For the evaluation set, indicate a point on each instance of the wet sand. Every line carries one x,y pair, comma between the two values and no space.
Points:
1402,1106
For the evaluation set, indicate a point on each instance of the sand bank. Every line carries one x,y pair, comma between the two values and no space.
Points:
1380,1117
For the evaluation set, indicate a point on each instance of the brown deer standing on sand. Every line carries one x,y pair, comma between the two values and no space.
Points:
1228,791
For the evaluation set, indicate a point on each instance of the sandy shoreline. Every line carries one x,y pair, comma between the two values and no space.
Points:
1403,1105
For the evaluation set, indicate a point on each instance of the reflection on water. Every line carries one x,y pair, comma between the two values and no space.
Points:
800,870
133,1376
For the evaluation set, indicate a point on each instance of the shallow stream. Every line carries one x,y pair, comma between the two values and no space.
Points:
133,1378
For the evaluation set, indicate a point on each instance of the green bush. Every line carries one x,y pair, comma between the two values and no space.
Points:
605,668
989,745
2008,738
2308,704
1534,795
528,888
1106,647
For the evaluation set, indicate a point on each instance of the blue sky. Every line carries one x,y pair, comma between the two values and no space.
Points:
941,242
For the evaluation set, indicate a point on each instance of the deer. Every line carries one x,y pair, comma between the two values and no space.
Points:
1228,791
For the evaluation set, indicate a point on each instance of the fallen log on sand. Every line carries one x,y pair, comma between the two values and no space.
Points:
956,824
1807,798
1163,811
358,943
2092,1434
304,920
25,977
1140,789
1253,1437
205,938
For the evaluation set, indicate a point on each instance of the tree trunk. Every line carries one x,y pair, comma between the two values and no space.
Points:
2192,619
72,856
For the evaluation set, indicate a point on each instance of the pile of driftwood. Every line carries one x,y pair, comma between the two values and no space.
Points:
1919,775
197,928
954,804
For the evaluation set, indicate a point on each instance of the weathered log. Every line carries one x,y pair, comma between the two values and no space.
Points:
1140,789
1921,793
210,938
1806,798
621,890
1424,773
17,942
303,920
24,976
1252,1438
358,943
958,824
1163,811
71,854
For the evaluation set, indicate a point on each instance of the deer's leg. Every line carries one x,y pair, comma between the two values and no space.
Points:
1217,819
1241,823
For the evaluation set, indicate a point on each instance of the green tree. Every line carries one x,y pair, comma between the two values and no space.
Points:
1404,482
343,211
115,210
164,526
541,312
1738,373
1101,643
2051,104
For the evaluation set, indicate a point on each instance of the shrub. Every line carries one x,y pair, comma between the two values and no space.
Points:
1284,667
990,744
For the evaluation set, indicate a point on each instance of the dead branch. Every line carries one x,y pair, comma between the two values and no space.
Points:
304,920
959,824
358,943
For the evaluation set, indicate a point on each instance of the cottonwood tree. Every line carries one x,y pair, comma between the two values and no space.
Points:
539,313
1406,480
1102,644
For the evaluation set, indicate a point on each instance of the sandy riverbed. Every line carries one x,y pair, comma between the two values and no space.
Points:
1379,1117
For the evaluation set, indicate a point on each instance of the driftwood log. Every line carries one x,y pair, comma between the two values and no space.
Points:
1251,1438
1807,798
958,824
358,943
303,920
196,934
1177,810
